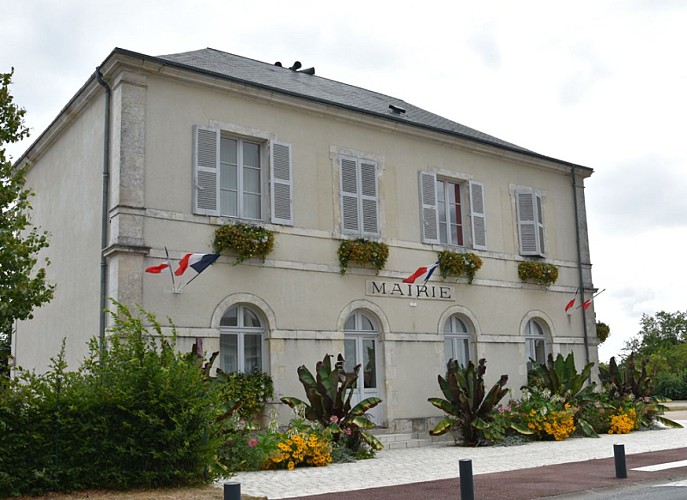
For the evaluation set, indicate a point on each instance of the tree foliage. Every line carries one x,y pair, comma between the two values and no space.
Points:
22,286
659,333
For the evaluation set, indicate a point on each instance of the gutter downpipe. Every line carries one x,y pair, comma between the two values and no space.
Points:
579,264
106,203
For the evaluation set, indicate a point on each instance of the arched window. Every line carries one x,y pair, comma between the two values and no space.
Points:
241,340
535,343
457,340
361,346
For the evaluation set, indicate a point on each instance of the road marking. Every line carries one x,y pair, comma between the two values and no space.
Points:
657,467
679,484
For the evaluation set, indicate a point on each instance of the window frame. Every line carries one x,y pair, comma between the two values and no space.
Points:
240,332
276,169
472,206
456,338
532,338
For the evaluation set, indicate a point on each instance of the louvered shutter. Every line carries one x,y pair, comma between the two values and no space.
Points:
205,170
540,224
349,196
528,227
281,184
368,198
478,216
429,215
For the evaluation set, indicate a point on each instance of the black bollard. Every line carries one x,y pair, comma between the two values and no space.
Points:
620,466
467,491
232,491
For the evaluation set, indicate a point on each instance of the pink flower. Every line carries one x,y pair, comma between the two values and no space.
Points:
334,419
597,404
252,443
349,431
508,408
502,409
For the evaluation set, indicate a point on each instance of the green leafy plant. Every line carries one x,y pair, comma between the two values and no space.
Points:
245,240
253,390
458,264
469,407
363,252
541,273
329,394
561,378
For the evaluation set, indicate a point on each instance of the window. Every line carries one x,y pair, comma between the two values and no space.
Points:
535,343
444,215
359,197
230,177
457,341
530,222
241,343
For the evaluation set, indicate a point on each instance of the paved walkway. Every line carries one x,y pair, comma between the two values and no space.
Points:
439,463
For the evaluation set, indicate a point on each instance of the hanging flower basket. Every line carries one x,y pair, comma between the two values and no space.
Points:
245,240
540,272
363,252
458,264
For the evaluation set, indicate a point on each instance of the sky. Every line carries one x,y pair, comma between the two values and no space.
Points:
600,83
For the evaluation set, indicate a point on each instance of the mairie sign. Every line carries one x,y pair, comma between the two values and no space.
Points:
409,290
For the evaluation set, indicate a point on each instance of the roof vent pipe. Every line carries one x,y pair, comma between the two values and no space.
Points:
397,110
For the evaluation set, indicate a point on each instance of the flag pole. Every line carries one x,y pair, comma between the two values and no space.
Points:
189,281
171,273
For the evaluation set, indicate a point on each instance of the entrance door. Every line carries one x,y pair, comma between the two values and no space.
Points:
361,347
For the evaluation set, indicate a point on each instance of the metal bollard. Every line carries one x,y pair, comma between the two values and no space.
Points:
620,466
232,491
467,491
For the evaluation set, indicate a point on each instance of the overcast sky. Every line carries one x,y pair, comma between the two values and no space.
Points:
598,83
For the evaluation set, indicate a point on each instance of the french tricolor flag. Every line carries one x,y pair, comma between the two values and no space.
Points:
197,261
423,273
157,269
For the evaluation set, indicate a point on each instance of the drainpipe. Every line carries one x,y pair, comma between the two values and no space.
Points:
579,264
106,203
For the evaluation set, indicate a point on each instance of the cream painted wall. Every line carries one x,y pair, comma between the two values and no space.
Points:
67,180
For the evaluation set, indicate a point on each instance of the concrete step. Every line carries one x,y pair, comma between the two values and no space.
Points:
407,440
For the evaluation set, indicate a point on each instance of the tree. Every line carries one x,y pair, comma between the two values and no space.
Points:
661,332
22,286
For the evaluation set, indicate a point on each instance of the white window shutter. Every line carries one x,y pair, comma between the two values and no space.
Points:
429,215
349,196
478,217
368,198
281,184
540,224
206,170
528,230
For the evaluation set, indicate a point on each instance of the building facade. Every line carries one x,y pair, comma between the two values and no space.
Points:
154,154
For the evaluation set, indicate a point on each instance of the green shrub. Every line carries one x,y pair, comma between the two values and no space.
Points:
136,414
672,385
253,390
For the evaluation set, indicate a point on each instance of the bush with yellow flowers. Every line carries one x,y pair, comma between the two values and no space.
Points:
546,414
624,421
301,448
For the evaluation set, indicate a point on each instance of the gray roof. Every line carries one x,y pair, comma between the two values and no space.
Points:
316,88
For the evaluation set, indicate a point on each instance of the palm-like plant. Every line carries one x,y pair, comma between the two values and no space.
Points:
329,394
468,405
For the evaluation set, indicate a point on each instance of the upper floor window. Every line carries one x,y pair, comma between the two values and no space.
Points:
359,197
241,341
457,341
231,175
444,214
530,222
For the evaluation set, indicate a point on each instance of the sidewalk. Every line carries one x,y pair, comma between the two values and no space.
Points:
440,462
